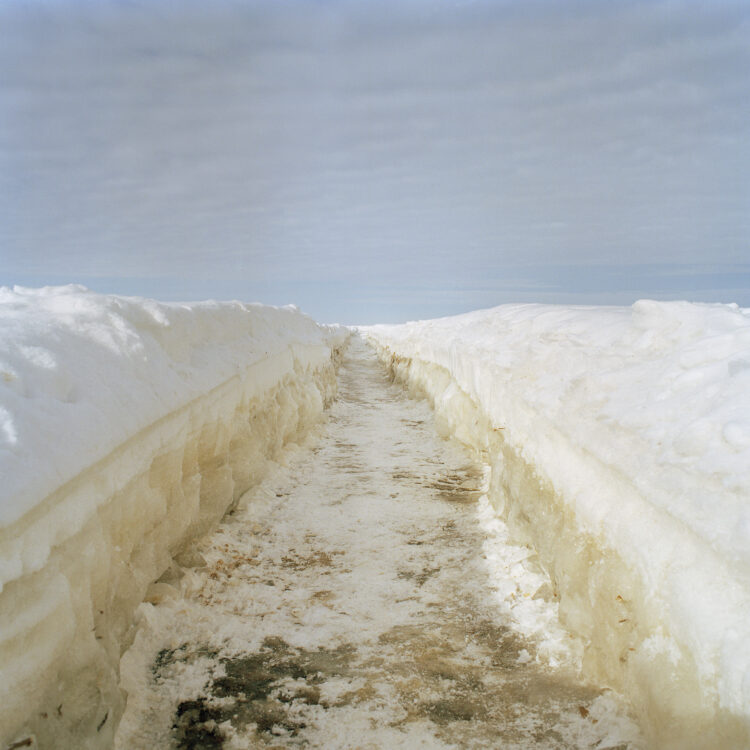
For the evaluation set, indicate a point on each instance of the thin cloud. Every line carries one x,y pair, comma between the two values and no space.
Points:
285,144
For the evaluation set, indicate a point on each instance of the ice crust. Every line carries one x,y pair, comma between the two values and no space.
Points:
127,427
620,445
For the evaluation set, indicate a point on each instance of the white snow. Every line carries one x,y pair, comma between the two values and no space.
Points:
81,372
127,426
618,441
376,555
632,426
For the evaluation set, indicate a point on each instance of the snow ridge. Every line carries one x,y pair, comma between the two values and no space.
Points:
127,427
632,426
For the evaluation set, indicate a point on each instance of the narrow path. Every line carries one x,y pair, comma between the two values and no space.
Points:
363,597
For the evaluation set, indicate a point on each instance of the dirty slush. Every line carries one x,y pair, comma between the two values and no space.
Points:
348,603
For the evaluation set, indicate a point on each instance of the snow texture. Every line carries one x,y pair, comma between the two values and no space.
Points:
397,613
127,427
620,443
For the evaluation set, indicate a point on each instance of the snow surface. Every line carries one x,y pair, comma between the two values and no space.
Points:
81,372
639,418
127,427
398,613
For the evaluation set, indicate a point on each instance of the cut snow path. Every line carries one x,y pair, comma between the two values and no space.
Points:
362,597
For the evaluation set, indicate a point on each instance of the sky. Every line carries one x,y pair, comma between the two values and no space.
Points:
378,161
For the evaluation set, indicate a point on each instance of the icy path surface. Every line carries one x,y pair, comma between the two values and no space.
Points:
363,597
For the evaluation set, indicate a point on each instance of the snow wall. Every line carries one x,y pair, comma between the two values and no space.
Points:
619,445
127,427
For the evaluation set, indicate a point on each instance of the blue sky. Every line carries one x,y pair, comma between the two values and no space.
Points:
378,161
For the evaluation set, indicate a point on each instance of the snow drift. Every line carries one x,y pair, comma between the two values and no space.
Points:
619,440
127,427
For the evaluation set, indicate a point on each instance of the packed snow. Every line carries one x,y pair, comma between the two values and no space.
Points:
365,595
127,427
616,440
97,369
620,439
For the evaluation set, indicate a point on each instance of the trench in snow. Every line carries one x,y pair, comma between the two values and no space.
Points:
363,596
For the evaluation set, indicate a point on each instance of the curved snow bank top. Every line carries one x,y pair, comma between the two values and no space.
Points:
640,419
81,372
654,386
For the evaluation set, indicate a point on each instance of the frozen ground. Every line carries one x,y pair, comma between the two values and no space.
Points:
363,596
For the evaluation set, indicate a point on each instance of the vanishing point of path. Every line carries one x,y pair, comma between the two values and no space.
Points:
363,596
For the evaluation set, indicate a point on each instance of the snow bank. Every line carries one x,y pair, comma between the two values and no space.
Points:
127,427
620,446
